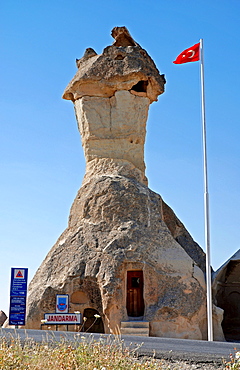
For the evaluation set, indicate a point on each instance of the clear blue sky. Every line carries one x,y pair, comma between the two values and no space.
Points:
41,158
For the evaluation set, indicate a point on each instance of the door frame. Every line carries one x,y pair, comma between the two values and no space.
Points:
135,304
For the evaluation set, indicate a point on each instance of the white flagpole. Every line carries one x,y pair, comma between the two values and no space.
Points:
206,204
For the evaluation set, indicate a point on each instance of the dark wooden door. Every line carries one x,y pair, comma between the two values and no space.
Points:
135,302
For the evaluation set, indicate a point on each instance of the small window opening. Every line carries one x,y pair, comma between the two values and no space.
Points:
141,86
135,282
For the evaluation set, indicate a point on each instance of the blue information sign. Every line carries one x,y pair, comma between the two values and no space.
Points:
19,282
17,310
18,296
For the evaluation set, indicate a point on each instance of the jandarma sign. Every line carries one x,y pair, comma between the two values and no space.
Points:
67,318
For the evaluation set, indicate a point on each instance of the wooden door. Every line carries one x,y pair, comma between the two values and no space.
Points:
135,302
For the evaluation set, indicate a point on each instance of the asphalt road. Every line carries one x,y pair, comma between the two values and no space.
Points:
167,348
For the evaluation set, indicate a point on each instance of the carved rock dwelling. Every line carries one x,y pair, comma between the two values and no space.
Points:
124,255
226,293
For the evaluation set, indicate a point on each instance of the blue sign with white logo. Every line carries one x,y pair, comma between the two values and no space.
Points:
19,282
62,303
18,296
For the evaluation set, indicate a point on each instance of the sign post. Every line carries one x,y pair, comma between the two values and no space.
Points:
18,296
61,316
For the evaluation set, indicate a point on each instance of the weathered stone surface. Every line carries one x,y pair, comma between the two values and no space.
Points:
113,127
3,318
117,226
182,236
112,93
226,294
122,66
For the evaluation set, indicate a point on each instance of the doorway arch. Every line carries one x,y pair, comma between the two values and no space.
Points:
93,323
228,298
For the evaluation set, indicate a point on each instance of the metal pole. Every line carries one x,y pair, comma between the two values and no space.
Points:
206,205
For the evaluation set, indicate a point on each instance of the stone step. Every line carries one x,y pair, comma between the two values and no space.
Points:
135,324
131,331
139,328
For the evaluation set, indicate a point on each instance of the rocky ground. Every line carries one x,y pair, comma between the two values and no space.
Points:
187,365
183,365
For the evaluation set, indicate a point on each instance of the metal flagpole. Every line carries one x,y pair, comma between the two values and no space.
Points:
206,204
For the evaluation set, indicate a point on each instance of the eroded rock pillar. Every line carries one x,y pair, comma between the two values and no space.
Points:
112,92
113,127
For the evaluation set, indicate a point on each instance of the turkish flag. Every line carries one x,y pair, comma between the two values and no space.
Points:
191,54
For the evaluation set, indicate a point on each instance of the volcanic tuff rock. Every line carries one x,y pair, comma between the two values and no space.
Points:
111,93
3,318
122,66
116,223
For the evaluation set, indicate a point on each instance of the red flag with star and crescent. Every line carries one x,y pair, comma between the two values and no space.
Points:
191,54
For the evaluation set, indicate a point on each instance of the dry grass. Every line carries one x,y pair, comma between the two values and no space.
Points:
87,355
234,363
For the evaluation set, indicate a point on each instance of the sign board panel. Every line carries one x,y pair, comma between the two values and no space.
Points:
17,310
19,282
62,318
18,296
62,303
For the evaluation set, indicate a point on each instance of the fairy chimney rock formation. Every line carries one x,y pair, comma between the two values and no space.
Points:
124,252
112,93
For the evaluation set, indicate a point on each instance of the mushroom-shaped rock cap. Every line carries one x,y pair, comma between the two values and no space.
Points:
122,66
